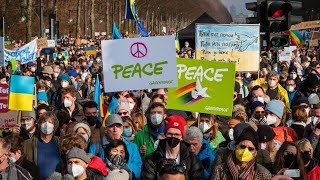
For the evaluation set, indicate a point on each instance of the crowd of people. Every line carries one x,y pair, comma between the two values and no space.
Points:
274,131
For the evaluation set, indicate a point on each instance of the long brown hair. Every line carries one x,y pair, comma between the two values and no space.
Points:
279,162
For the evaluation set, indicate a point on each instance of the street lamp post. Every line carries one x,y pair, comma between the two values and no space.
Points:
41,19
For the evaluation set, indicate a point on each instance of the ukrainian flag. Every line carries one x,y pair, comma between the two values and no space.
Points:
98,98
21,93
91,50
177,43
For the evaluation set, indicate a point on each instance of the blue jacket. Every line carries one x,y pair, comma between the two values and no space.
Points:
134,161
207,156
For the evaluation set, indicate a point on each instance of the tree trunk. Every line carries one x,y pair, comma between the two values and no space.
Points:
92,19
78,31
120,18
29,21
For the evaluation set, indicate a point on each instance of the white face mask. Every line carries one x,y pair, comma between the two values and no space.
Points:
131,106
204,127
231,134
293,76
47,128
64,84
33,69
67,103
85,136
259,99
290,88
55,74
272,83
271,120
27,124
12,159
156,119
75,170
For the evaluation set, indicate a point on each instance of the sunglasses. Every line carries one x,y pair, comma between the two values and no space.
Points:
251,149
259,112
122,113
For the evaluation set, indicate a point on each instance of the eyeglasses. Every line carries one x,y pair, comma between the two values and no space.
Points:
259,112
122,113
251,149
173,169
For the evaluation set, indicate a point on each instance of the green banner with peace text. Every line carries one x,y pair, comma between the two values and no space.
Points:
203,86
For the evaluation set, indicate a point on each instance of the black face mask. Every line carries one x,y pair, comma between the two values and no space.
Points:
172,142
92,120
258,116
290,161
306,157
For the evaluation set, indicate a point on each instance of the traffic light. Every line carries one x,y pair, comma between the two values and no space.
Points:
295,17
281,40
278,13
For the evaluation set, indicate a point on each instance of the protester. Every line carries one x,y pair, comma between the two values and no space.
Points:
27,128
69,97
172,147
200,147
8,170
139,120
300,117
129,129
43,150
83,129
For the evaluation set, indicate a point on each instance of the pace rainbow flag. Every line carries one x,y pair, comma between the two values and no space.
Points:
21,93
296,38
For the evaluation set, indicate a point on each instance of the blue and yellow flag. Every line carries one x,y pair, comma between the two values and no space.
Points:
131,13
21,93
177,43
98,98
90,50
115,32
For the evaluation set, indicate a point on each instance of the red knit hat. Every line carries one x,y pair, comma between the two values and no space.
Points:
177,122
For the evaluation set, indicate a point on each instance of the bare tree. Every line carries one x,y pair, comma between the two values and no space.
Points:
29,20
78,31
108,17
92,18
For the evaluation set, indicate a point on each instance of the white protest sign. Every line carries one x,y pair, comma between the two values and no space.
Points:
51,43
96,33
24,54
9,119
237,43
139,63
1,51
284,56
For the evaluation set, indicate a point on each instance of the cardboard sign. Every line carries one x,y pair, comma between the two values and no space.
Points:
306,25
204,86
239,44
51,43
42,43
4,90
139,63
9,119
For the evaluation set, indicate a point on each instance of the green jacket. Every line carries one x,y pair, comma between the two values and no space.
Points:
148,140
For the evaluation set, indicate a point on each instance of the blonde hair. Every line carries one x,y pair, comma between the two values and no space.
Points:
304,144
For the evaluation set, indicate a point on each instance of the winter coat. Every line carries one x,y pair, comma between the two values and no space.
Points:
147,138
134,162
29,166
284,133
16,172
222,172
313,170
194,168
91,174
77,113
206,156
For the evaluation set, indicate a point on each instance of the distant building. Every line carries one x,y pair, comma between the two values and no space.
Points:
233,10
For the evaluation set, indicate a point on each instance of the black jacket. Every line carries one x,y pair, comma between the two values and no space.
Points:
29,166
193,165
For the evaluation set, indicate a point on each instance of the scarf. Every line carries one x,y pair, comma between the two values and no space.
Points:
246,173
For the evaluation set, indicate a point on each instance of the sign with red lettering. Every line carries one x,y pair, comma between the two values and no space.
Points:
3,106
9,119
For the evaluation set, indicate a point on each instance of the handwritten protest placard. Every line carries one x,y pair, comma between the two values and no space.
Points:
239,44
139,63
42,43
9,119
51,43
24,54
204,86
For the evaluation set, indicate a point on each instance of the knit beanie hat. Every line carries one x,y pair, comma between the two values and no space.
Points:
313,98
43,106
118,174
79,154
251,135
122,105
237,130
276,107
65,77
265,133
28,114
177,122
73,73
84,126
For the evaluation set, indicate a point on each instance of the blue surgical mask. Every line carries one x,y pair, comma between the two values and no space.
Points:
127,132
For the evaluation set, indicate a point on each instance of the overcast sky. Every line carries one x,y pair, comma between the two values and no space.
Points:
239,4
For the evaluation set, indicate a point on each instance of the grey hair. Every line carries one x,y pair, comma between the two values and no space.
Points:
193,133
6,144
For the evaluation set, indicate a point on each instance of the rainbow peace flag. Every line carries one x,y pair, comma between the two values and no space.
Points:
296,38
21,93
